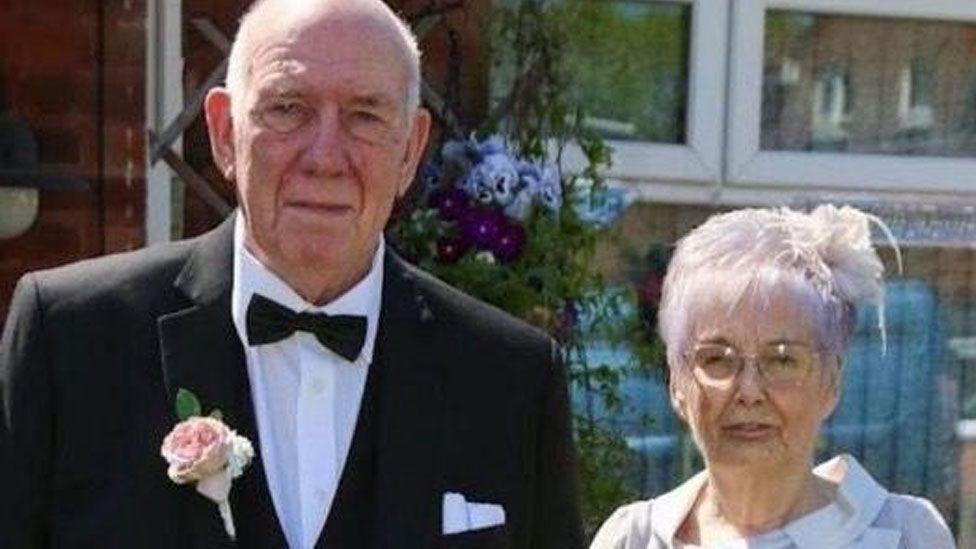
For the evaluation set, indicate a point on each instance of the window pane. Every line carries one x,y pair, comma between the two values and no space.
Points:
629,65
869,85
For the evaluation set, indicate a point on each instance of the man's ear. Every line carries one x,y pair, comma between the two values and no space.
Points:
220,127
416,143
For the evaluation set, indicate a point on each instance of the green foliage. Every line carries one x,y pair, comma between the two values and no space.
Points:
630,64
187,404
602,451
554,283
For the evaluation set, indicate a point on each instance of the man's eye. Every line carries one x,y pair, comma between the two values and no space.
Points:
367,116
368,125
285,116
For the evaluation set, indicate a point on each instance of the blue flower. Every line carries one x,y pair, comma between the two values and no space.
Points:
521,206
493,144
429,177
549,189
494,179
603,209
460,155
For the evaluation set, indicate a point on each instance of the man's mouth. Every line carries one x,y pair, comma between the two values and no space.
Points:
318,208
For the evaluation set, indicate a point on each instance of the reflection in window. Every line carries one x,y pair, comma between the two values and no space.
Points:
868,85
627,64
916,95
831,109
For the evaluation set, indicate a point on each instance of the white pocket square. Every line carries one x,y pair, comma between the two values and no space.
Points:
459,515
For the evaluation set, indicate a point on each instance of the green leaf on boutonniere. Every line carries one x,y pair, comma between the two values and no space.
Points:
187,404
217,414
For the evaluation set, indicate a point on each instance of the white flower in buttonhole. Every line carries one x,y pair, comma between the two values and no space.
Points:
205,451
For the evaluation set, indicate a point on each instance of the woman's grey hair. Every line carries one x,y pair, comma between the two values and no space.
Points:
824,260
259,13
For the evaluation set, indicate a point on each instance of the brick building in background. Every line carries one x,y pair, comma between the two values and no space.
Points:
74,74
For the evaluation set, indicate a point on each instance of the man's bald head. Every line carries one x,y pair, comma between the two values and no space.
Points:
276,18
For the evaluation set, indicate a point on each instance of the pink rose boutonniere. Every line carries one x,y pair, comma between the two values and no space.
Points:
205,451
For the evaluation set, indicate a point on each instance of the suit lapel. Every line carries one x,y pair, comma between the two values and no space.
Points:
201,352
409,415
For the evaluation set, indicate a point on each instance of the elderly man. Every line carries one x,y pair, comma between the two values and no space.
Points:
386,409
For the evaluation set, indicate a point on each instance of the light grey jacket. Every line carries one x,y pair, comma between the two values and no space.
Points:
864,515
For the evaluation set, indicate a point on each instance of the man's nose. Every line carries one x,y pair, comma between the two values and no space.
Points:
324,153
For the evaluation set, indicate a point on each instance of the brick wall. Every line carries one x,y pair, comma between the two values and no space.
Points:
74,72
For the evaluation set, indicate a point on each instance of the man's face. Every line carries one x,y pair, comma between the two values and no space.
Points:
323,144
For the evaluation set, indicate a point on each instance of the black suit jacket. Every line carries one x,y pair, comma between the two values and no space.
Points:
464,399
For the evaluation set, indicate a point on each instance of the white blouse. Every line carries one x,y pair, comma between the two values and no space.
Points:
864,515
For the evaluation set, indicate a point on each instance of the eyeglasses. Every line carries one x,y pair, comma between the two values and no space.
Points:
778,363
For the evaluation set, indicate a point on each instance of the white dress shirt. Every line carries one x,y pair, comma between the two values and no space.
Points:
306,398
863,516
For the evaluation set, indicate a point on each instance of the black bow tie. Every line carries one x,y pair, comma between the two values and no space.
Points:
270,322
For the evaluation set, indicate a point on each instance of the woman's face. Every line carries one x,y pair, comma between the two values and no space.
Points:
767,413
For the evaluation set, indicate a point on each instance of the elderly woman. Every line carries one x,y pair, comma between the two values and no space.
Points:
757,310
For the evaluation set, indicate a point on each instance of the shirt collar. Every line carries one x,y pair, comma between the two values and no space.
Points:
859,501
251,277
668,511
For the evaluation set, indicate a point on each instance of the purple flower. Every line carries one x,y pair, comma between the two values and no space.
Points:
450,203
509,243
450,249
481,227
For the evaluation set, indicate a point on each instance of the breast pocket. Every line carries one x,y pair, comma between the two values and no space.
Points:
486,538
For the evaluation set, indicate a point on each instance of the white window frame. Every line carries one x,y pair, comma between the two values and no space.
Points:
748,166
164,101
698,162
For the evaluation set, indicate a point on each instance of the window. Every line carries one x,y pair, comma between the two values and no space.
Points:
767,101
654,85
854,96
